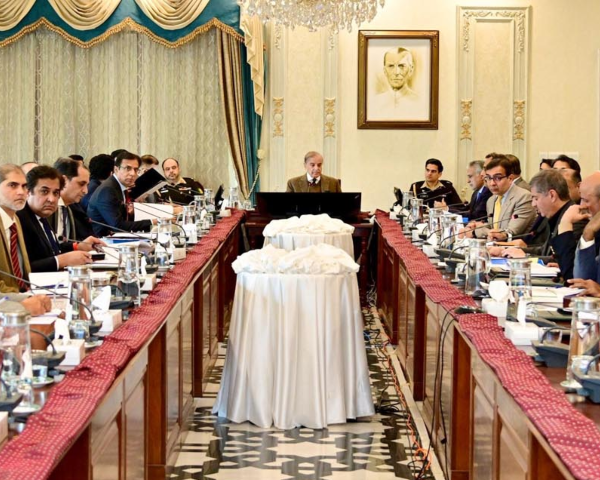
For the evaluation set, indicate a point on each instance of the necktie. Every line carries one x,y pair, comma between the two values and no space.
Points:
14,256
65,223
313,182
127,203
497,210
50,235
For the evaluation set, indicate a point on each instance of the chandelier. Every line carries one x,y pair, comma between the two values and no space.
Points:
313,14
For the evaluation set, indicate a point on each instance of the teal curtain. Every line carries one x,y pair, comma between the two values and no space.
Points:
226,11
253,124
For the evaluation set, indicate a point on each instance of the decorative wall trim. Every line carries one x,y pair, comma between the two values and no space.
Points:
466,106
277,32
520,18
473,133
329,119
519,120
278,116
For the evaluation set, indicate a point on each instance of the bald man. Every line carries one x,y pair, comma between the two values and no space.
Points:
586,264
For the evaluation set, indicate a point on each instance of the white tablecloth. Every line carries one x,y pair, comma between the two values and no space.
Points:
296,354
293,241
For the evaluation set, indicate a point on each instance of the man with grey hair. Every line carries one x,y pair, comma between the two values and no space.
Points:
479,198
550,197
13,252
313,181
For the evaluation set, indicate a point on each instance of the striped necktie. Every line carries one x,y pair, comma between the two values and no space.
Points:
497,210
14,257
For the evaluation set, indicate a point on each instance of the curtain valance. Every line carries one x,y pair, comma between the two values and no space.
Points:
86,23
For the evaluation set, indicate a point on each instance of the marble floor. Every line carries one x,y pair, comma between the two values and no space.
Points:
380,447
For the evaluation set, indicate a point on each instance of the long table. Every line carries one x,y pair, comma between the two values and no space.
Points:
120,413
491,413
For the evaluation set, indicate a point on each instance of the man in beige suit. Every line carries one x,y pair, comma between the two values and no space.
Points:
509,209
313,181
13,254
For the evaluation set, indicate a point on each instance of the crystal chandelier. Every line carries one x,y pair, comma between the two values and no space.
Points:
313,14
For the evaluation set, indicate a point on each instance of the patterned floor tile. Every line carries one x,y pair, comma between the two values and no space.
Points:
373,448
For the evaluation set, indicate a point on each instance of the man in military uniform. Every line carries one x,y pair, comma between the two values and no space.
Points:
433,191
180,190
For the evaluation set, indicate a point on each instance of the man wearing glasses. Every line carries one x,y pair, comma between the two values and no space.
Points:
510,211
110,202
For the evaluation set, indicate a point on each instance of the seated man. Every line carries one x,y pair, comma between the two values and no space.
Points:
516,169
45,253
70,222
101,167
550,197
180,190
476,208
586,262
313,181
509,207
110,203
434,191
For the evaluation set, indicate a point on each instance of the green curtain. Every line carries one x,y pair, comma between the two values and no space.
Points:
253,124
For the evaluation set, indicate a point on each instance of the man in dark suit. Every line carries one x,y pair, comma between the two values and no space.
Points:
101,167
476,208
313,181
110,203
70,221
45,252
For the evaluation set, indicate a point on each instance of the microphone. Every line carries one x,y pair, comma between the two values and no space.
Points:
120,230
53,292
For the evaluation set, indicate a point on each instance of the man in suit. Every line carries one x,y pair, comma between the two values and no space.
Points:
180,190
587,266
70,222
101,167
434,191
516,169
313,181
550,197
476,208
45,252
13,252
509,207
110,203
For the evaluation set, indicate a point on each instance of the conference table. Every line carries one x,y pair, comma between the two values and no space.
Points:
296,354
491,412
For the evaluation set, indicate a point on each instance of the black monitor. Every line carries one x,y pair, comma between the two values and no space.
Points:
345,206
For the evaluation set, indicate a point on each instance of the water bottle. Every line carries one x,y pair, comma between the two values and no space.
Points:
585,338
128,278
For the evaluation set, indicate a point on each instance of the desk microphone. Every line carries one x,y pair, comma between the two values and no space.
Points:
53,292
120,230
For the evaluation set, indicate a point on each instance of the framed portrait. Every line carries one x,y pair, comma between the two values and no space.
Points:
398,79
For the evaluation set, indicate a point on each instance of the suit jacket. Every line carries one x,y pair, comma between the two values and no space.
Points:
92,186
517,202
587,264
478,208
41,254
326,184
107,206
563,246
522,183
79,223
10,285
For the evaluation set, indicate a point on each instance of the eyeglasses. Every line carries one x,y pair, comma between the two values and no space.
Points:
496,178
129,169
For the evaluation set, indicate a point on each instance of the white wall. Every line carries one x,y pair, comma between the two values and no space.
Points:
562,102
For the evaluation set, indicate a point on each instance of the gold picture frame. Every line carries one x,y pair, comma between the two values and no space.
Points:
398,79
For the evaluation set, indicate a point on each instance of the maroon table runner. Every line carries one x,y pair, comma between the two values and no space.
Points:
574,438
72,402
